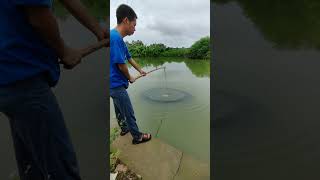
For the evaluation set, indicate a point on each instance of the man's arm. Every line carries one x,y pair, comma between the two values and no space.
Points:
80,12
124,69
136,66
44,22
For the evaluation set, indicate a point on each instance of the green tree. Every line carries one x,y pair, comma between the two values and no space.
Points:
175,52
154,50
200,49
137,48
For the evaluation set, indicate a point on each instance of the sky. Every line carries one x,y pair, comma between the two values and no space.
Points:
175,23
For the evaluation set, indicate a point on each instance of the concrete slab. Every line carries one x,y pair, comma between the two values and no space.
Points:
192,169
153,160
156,160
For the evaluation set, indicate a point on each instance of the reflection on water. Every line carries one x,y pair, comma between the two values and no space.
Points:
288,24
267,92
97,8
183,123
198,67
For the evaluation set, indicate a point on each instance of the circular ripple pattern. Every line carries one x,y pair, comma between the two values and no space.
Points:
165,94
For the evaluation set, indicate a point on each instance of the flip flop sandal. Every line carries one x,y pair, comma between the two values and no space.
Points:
145,138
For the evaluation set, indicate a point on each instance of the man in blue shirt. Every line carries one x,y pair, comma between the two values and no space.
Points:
30,46
120,76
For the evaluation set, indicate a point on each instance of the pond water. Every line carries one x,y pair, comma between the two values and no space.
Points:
174,104
267,91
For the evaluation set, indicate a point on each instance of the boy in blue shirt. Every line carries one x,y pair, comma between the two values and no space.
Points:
120,76
30,46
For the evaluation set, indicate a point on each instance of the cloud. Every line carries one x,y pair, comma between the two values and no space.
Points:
176,23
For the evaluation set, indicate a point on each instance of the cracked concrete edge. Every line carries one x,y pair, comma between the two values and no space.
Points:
192,168
178,169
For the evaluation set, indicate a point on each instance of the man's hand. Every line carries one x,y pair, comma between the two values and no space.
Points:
132,79
142,72
106,36
71,58
102,34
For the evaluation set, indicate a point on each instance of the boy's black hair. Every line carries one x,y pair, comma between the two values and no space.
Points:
125,11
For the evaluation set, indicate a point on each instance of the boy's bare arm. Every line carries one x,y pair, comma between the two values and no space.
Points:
124,69
136,66
44,23
80,12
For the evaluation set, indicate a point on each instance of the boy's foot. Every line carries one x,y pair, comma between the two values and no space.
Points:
122,133
144,138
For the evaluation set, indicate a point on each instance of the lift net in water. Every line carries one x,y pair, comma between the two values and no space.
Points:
165,94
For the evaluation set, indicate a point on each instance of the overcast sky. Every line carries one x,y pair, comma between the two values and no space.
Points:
175,23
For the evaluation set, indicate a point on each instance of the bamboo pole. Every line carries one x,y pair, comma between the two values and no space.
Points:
90,49
150,72
94,47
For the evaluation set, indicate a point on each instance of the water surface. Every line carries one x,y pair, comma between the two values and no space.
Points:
183,123
266,95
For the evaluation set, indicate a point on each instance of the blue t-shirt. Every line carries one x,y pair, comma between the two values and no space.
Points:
23,53
119,54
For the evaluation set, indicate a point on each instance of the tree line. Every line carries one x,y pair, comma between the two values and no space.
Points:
199,50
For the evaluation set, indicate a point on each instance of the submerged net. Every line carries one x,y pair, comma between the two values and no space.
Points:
165,94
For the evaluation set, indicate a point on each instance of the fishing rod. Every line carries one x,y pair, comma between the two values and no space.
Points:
163,67
94,47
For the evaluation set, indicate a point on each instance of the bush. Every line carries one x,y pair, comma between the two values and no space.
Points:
114,153
137,48
154,50
200,49
175,52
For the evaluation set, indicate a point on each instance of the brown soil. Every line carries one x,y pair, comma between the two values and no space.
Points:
124,173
